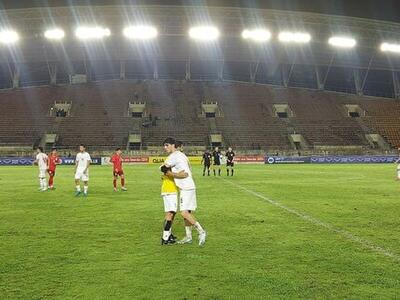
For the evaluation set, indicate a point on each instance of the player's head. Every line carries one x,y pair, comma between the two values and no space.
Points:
39,149
169,145
82,148
179,145
216,148
165,169
53,150
118,151
230,149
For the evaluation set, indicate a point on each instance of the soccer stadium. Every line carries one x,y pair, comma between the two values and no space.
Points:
237,150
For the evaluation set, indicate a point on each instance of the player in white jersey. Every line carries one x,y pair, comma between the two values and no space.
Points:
41,161
398,167
82,163
187,190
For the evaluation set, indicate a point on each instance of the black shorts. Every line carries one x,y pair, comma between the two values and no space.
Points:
229,163
217,163
207,165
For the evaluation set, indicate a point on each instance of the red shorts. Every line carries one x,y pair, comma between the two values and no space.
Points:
119,173
51,172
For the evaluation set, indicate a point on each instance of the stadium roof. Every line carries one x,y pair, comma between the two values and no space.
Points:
369,9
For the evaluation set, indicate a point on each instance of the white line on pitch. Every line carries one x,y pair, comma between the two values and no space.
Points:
314,221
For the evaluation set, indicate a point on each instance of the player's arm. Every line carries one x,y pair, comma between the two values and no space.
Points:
87,165
180,175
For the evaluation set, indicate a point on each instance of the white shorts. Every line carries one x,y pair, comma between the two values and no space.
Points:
82,176
170,202
187,200
42,173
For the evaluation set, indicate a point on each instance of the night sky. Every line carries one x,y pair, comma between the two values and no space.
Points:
388,10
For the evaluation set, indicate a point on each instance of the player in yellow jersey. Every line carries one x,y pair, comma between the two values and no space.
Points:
169,193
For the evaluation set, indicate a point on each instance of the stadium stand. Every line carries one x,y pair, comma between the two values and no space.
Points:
99,115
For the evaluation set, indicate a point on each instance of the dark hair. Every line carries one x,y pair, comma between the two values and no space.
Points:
169,140
165,169
178,144
82,146
53,149
40,148
117,149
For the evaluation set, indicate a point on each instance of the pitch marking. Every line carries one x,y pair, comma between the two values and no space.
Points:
315,221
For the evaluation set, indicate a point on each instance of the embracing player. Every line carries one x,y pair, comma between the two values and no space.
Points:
116,160
41,161
179,162
52,162
230,155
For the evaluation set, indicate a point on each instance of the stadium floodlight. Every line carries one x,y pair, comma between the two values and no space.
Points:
140,32
257,35
204,33
294,37
54,34
388,47
342,42
8,37
92,33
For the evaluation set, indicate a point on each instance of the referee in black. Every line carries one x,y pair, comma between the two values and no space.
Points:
206,161
229,161
217,160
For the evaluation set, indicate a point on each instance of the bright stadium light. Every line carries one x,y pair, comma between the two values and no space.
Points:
8,37
257,35
388,47
92,33
294,37
342,42
204,33
54,34
140,32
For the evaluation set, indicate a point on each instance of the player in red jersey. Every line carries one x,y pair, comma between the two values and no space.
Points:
116,160
52,162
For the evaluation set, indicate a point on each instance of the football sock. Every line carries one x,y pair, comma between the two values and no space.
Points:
219,172
208,172
188,230
214,172
123,182
232,172
198,227
227,172
51,179
41,183
85,189
167,230
78,188
115,183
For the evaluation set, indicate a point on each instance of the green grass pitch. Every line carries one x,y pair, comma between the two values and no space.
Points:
333,232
